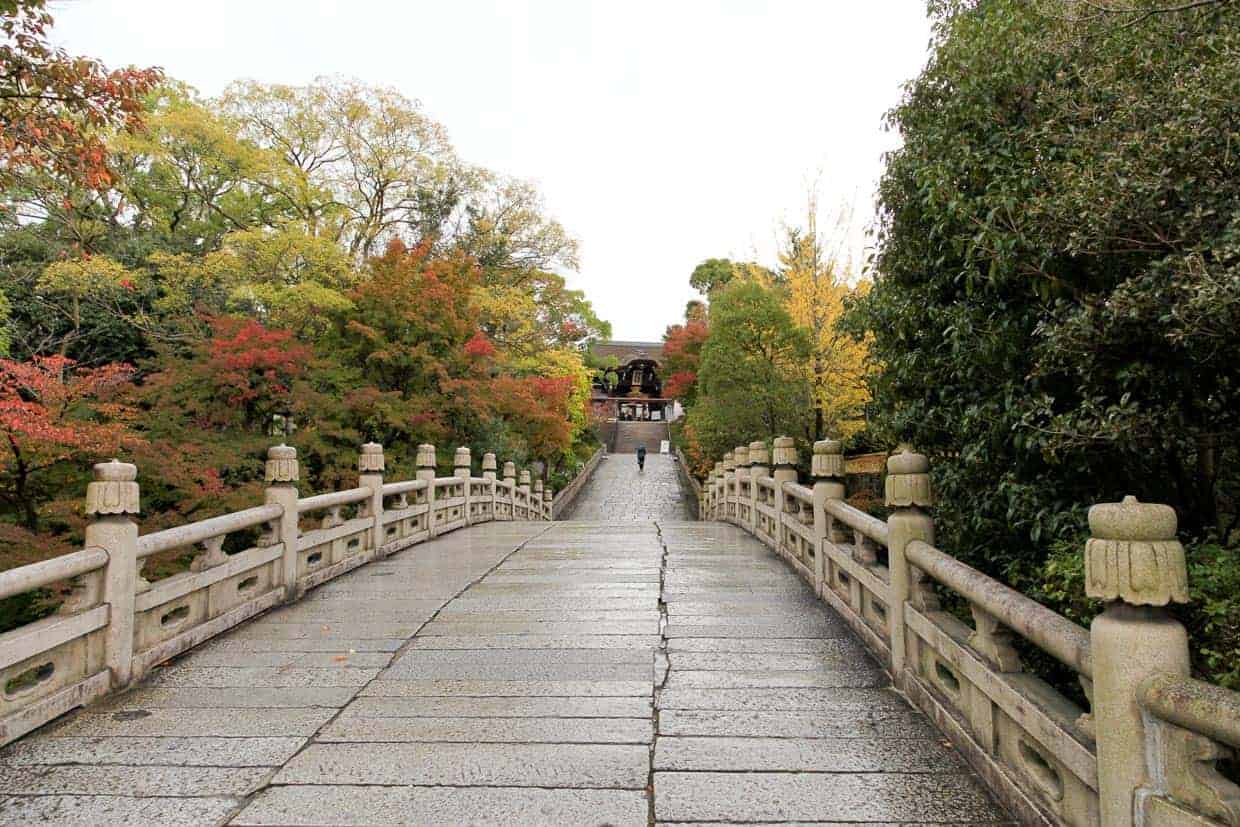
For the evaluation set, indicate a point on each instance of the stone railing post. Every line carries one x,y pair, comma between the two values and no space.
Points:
1134,562
425,463
370,475
740,456
112,504
759,466
729,488
510,481
827,466
908,492
548,504
785,459
524,486
717,504
538,496
282,473
462,468
488,473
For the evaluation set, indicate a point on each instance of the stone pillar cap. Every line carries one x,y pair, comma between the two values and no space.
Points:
908,479
538,485
740,454
525,476
510,469
828,459
758,455
282,465
370,458
488,461
729,462
114,490
785,452
461,457
1134,556
426,456
1132,520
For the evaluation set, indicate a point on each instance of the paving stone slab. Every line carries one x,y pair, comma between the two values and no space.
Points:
821,678
739,661
213,677
344,806
677,629
633,642
847,648
486,628
414,659
142,782
609,766
223,723
154,751
114,811
904,723
158,697
821,797
315,660
512,707
517,671
492,730
842,701
806,755
429,688
324,631
260,644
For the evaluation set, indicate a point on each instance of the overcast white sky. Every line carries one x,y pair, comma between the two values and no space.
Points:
662,133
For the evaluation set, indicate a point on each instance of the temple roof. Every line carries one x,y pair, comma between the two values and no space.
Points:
626,352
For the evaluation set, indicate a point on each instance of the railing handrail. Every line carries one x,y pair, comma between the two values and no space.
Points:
185,535
45,572
1194,705
391,489
857,519
332,499
1049,631
799,492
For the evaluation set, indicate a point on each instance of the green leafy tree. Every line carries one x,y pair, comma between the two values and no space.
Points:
751,382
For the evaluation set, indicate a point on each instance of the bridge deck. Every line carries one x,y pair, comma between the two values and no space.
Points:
514,673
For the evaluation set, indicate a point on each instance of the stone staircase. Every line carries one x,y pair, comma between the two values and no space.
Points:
629,435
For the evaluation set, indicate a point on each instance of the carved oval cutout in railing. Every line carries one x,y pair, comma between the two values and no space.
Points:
175,617
1040,770
26,682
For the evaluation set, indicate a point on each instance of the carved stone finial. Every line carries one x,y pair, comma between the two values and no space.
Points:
548,495
462,458
282,467
488,462
114,490
828,461
1133,554
425,457
740,455
370,460
785,453
525,476
908,479
510,470
538,487
729,462
758,455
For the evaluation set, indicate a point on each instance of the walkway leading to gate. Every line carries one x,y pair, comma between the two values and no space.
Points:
516,673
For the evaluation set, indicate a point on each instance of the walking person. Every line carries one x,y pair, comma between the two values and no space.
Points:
641,457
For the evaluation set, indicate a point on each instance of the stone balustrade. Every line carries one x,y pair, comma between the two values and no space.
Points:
114,625
1146,751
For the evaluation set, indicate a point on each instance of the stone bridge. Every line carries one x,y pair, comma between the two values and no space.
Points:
441,651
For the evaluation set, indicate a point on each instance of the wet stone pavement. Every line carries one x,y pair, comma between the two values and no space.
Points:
519,674
618,492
